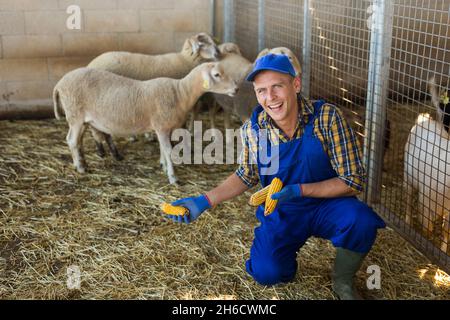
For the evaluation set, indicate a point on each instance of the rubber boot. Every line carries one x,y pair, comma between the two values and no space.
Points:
346,264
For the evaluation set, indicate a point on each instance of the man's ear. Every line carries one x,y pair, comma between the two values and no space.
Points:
298,84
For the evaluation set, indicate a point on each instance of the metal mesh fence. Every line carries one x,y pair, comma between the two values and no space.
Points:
246,27
284,25
416,180
374,59
340,55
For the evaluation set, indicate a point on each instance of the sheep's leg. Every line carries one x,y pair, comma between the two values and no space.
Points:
445,230
443,205
212,114
166,150
212,118
162,157
98,138
226,119
149,136
74,140
427,216
133,138
112,147
193,115
409,198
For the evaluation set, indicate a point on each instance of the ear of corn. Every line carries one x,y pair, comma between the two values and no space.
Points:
259,197
275,186
167,208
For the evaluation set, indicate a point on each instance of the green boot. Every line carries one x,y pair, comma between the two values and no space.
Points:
346,264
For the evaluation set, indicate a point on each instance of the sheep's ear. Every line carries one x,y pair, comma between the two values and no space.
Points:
203,38
262,53
195,47
229,47
434,93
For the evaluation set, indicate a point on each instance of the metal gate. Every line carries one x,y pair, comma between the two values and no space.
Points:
373,59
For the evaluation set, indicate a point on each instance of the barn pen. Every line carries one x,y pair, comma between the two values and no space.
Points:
101,235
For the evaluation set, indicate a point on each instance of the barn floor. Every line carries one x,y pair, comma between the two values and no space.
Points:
108,223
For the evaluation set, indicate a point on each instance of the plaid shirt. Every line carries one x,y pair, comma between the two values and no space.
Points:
337,138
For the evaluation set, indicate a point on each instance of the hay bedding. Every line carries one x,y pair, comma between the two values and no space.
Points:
108,223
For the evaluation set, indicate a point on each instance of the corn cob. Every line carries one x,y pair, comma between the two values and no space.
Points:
259,197
167,208
275,186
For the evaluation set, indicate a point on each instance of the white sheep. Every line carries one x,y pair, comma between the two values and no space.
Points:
225,49
120,106
427,174
196,50
243,103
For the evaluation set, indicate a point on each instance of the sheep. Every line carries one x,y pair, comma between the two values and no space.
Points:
224,50
427,172
243,103
196,49
120,106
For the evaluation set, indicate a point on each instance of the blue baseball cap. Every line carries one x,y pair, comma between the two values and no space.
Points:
274,62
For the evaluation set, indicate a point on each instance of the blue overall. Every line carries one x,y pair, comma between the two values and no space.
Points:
346,221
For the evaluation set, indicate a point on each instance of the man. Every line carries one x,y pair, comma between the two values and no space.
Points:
319,163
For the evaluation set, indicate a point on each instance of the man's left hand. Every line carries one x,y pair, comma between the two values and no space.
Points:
289,192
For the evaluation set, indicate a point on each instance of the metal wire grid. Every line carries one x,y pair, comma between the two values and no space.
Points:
339,52
246,27
419,50
284,24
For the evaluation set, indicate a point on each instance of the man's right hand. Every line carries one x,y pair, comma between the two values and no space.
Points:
195,205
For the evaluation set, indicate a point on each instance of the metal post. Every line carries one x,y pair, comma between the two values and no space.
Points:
228,20
212,17
306,51
261,22
378,79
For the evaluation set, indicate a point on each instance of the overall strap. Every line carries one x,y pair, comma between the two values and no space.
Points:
254,117
317,105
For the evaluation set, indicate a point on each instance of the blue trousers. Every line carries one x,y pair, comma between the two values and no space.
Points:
347,222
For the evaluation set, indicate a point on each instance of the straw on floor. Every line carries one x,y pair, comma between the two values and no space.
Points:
108,223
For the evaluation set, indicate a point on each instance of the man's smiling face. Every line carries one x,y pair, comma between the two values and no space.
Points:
277,94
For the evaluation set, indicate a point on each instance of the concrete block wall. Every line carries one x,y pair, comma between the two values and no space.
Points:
37,49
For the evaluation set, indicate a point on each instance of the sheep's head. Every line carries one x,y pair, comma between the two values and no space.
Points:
202,46
216,80
284,51
229,48
441,102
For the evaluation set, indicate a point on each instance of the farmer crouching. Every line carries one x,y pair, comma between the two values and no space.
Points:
319,162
